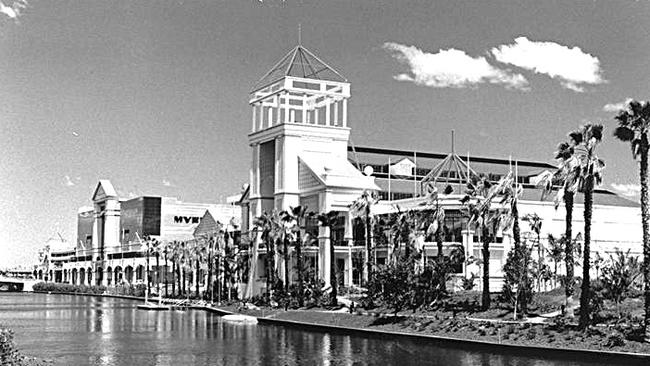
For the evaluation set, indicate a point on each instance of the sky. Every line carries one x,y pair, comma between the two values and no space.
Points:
153,95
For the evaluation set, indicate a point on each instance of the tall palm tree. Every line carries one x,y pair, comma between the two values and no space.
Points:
329,220
209,286
361,207
157,248
292,219
535,223
269,228
165,251
566,178
173,252
584,142
479,198
556,252
633,125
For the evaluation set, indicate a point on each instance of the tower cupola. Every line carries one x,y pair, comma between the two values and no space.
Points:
300,89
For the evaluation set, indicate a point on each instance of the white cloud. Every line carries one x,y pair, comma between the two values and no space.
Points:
451,68
13,11
627,190
68,182
166,183
132,195
615,107
573,67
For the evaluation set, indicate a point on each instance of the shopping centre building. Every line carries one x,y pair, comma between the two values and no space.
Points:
111,236
302,155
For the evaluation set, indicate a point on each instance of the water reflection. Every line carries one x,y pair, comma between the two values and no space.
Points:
78,330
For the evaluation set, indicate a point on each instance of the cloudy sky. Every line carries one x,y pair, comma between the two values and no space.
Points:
153,94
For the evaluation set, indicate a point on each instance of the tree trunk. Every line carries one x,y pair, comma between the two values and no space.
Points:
568,252
224,284
368,244
440,258
196,279
183,277
516,231
210,283
147,273
486,268
516,237
173,277
645,224
333,283
268,270
301,300
585,296
285,244
166,280
158,273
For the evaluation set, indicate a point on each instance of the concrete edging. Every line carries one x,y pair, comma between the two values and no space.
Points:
471,344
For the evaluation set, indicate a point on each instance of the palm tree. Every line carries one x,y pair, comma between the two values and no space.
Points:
478,200
229,258
361,208
566,177
157,248
584,142
633,124
535,223
556,252
268,226
165,251
329,220
292,220
173,251
401,226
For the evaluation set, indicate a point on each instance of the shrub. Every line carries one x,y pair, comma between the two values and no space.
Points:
619,277
518,271
468,283
9,354
615,340
531,333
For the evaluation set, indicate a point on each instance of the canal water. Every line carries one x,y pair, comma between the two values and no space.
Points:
80,330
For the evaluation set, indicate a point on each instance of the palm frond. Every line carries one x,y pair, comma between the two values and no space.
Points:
624,133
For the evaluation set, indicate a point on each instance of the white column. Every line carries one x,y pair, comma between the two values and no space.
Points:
287,112
304,109
324,253
254,117
350,265
336,113
328,120
270,117
345,112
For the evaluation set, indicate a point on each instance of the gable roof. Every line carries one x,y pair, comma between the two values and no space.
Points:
104,191
302,63
229,216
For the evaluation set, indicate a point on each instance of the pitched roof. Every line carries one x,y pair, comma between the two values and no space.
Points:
104,190
299,62
336,172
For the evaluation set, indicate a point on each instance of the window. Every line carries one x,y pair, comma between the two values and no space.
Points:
453,226
359,232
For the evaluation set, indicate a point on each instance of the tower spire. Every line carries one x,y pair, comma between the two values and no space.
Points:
452,141
299,34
